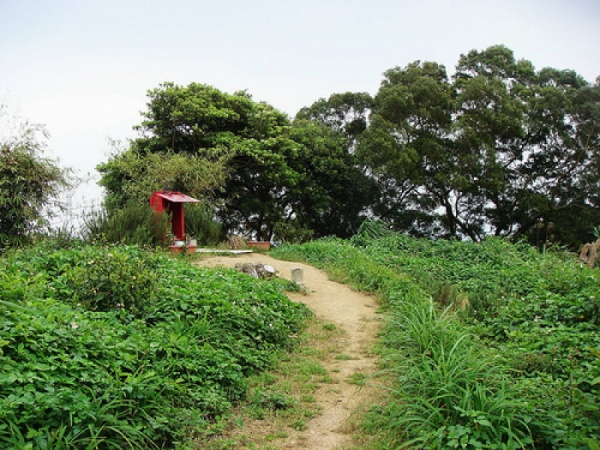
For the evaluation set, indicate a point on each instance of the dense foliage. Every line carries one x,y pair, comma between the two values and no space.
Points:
490,345
265,175
108,347
29,182
132,176
136,224
133,224
498,148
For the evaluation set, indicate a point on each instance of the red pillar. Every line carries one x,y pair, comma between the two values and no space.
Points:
178,220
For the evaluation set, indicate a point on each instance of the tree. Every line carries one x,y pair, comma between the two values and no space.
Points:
255,161
347,113
499,148
333,194
409,151
250,137
492,92
29,183
131,175
538,136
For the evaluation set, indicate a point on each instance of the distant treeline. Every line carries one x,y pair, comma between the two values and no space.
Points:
497,148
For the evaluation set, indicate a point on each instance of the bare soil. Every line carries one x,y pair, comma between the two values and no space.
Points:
355,315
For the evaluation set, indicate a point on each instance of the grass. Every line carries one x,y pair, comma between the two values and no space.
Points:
282,400
458,393
489,345
360,379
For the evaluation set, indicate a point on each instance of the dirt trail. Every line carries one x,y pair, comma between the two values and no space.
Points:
355,315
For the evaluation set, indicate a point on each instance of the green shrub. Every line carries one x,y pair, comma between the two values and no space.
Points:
200,224
29,183
112,279
135,224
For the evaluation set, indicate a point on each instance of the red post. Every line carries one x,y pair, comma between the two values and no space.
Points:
178,220
172,203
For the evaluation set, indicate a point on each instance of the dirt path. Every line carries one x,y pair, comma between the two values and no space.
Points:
355,315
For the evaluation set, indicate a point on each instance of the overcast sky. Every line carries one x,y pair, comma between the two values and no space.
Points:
82,67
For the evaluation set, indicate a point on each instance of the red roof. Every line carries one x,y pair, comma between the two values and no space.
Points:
176,197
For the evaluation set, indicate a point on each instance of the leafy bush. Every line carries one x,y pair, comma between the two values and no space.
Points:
29,183
110,279
78,370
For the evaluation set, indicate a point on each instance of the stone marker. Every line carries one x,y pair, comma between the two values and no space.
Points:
298,276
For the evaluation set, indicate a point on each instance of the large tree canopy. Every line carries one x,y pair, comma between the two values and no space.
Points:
499,148
265,175
347,112
495,148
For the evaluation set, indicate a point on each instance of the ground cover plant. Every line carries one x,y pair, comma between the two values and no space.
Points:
115,347
491,345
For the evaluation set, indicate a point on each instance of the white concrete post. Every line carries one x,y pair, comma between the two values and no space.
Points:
298,276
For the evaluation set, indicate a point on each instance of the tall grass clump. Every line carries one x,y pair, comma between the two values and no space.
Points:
138,224
202,225
449,393
134,224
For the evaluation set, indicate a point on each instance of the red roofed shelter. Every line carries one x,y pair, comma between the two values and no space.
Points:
172,203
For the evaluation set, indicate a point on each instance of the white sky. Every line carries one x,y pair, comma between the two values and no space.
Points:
82,67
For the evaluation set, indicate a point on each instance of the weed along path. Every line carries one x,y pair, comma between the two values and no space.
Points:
346,355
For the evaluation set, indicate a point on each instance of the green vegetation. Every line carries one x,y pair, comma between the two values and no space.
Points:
29,182
488,345
134,224
266,175
114,347
282,398
137,224
498,148
486,151
200,224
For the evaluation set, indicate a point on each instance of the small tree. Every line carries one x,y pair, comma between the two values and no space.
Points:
28,182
